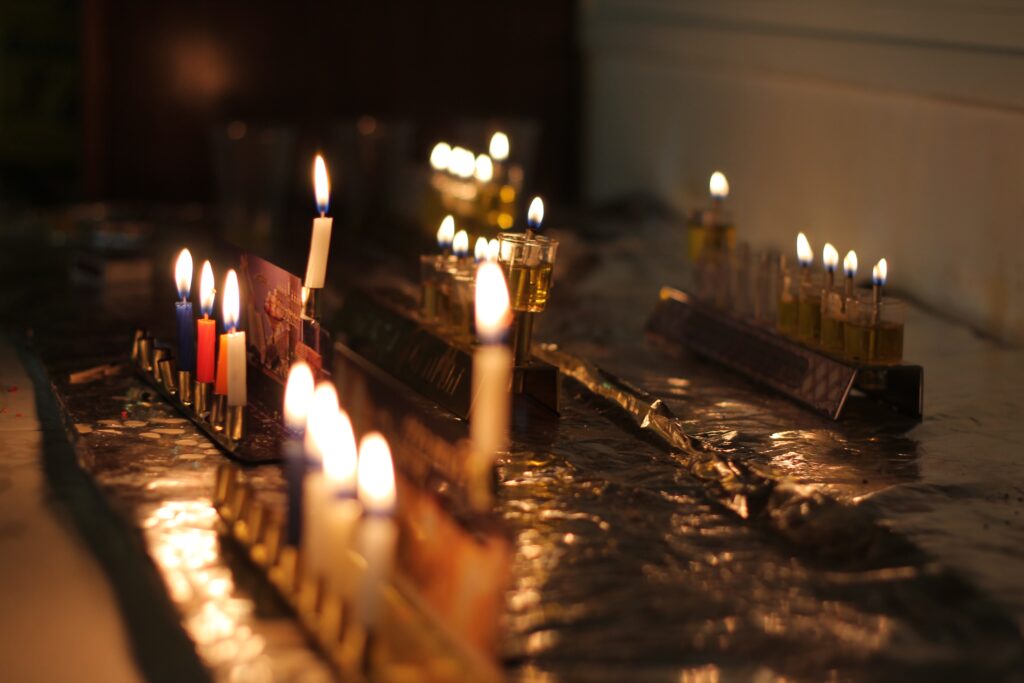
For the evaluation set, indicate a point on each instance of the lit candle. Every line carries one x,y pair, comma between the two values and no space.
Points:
445,234
206,328
378,533
480,249
234,341
879,274
718,187
483,168
460,244
493,249
320,426
850,270
499,147
440,155
183,311
320,244
534,216
492,369
805,255
342,509
830,259
298,398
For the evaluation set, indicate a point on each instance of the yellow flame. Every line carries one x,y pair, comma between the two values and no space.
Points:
484,168
183,273
230,301
206,290
480,249
850,263
462,162
340,458
460,244
829,256
804,253
446,232
880,273
376,474
499,146
492,303
492,249
298,395
718,185
535,215
321,421
440,155
322,183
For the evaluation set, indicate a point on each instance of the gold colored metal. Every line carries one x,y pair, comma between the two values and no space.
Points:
285,571
185,386
140,334
158,355
235,426
165,366
145,358
522,339
268,540
201,399
219,412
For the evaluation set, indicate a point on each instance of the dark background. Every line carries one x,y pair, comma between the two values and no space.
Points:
119,100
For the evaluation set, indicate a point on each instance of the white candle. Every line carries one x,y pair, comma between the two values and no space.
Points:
237,395
378,533
342,509
319,433
492,368
320,244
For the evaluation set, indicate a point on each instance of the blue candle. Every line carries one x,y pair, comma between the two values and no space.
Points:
183,311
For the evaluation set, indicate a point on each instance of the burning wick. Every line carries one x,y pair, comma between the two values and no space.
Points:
718,187
805,255
878,277
480,250
440,155
534,217
830,257
850,269
499,146
445,234
460,244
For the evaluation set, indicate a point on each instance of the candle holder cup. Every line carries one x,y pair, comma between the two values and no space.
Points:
529,262
185,387
808,326
201,399
873,332
788,307
833,317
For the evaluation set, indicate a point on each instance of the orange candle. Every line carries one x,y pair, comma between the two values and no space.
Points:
221,387
206,329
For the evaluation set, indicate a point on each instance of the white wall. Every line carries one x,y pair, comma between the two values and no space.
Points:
892,127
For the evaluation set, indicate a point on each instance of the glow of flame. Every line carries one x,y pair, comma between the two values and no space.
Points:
484,168
183,274
499,146
535,216
804,253
492,302
718,185
850,263
460,244
230,301
829,257
493,248
446,232
206,290
440,156
321,421
480,249
462,162
322,184
298,395
880,273
340,458
376,475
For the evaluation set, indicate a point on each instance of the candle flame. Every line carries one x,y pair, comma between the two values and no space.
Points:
340,458
460,245
322,184
183,274
440,156
484,168
850,263
321,421
206,290
830,257
492,302
462,162
480,249
804,253
880,273
446,233
230,301
376,475
718,185
535,216
499,146
493,248
298,395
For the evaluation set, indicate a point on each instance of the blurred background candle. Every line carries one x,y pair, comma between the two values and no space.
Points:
183,311
298,399
342,510
492,374
206,328
320,244
234,341
378,534
320,426
480,249
809,307
499,149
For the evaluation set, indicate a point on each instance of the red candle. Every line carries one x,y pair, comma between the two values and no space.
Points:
206,329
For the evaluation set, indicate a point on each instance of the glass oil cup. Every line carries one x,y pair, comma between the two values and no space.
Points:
529,264
873,332
430,271
788,309
833,317
461,320
809,309
765,284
